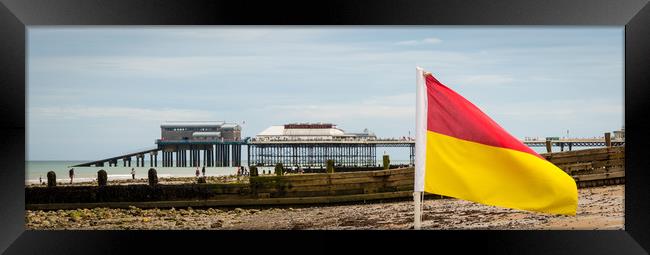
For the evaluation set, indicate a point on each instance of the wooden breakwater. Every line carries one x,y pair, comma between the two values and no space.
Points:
263,190
593,167
335,184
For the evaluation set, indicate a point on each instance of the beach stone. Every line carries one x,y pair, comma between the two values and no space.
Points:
217,224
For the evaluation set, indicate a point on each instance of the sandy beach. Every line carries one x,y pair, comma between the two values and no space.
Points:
598,208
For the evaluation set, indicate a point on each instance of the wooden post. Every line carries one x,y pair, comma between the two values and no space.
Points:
386,161
608,139
330,166
153,177
279,169
548,146
102,178
51,179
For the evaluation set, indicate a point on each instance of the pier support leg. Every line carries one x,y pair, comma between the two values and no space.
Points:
191,151
220,155
194,155
238,155
210,163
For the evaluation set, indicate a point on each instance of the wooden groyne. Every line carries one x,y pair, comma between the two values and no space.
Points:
592,167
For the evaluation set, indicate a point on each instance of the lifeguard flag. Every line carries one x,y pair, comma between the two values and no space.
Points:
463,153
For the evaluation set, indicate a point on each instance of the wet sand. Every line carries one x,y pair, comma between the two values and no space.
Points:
598,208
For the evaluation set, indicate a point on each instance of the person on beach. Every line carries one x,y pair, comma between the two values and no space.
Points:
197,172
40,179
238,171
133,173
71,173
203,170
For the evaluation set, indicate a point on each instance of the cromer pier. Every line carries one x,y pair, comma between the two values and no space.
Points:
219,144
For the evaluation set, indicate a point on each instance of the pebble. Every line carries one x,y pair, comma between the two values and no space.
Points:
439,214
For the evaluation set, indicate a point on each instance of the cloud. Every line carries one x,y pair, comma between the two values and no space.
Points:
559,110
431,40
485,79
394,107
327,58
122,113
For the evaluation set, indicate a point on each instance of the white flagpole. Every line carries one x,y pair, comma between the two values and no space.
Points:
418,213
420,145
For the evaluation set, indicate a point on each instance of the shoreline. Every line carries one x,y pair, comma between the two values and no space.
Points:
161,180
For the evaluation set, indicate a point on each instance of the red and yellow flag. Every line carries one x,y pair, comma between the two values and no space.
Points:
462,153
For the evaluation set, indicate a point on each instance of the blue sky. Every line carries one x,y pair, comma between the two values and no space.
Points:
96,92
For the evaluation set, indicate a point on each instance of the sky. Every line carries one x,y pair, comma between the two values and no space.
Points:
97,92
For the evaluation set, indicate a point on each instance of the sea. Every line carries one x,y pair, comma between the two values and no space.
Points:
35,171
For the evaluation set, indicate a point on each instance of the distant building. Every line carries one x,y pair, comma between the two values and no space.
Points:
200,130
311,131
619,134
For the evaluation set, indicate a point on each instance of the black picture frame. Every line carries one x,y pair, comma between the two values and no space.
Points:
16,15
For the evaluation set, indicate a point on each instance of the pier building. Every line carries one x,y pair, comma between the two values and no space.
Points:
184,143
200,130
311,131
312,144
